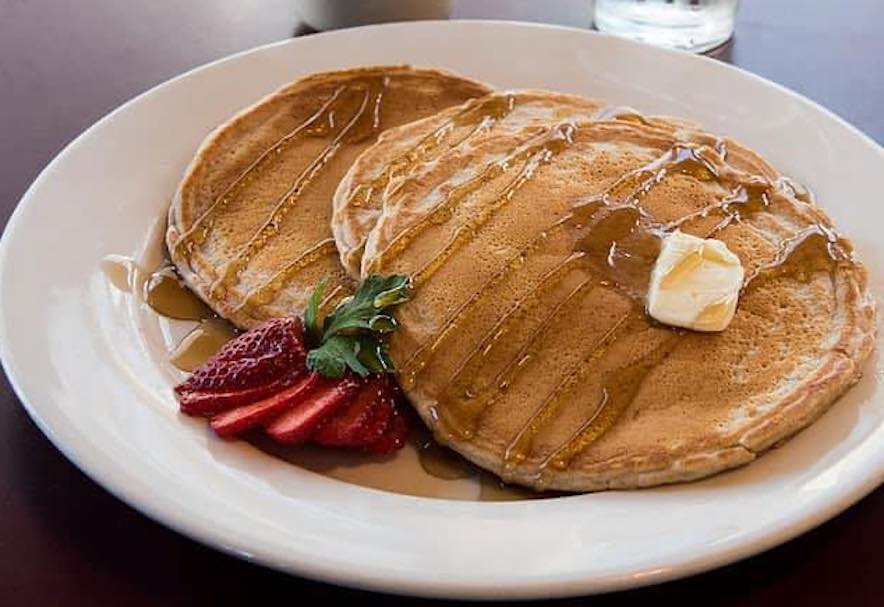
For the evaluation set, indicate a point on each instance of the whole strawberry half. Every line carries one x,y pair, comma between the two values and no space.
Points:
251,367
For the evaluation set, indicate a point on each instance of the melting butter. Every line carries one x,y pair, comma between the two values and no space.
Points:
695,283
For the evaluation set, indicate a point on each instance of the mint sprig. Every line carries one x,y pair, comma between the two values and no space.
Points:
352,335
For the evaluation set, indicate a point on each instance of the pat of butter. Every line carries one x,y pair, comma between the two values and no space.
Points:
695,283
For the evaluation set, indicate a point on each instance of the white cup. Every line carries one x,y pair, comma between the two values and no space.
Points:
333,14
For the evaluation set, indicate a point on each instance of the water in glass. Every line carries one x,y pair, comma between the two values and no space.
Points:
693,25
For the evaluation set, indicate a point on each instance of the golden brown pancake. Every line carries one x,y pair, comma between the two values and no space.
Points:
249,226
526,346
404,153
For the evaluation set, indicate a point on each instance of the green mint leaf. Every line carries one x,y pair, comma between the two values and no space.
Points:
326,363
373,354
374,295
335,355
311,314
396,291
352,334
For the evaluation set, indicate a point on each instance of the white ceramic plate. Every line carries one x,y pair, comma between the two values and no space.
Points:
90,369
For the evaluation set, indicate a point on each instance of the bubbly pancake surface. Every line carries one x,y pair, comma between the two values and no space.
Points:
404,154
249,226
526,346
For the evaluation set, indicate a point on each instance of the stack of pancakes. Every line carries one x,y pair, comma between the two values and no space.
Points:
528,222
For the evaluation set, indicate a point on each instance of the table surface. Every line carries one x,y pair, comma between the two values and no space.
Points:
65,64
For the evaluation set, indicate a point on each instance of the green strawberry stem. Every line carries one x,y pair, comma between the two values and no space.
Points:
352,335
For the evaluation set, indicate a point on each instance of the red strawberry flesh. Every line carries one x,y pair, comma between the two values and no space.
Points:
210,403
237,421
380,423
266,354
298,425
348,427
261,378
394,437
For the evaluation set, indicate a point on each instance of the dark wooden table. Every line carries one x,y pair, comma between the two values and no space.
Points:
65,541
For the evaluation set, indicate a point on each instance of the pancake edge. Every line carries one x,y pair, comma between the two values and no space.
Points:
210,143
838,370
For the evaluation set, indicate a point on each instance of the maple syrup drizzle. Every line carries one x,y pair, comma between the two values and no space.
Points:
622,245
445,464
372,130
621,386
441,462
640,180
619,390
201,344
630,188
467,232
267,292
513,263
199,229
493,109
475,399
539,150
745,199
812,250
600,239
270,228
815,248
368,194
518,448
645,182
508,320
416,363
748,199
680,158
489,110
167,295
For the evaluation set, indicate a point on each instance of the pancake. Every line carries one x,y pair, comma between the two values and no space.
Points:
249,225
401,154
404,153
526,346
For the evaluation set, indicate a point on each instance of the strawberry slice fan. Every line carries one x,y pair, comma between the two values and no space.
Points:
261,379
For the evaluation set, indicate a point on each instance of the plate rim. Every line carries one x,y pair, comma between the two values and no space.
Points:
815,513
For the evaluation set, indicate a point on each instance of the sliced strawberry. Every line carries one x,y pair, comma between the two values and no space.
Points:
394,437
377,426
210,403
353,426
259,357
237,421
300,423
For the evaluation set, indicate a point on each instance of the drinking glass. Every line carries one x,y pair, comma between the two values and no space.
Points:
692,25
